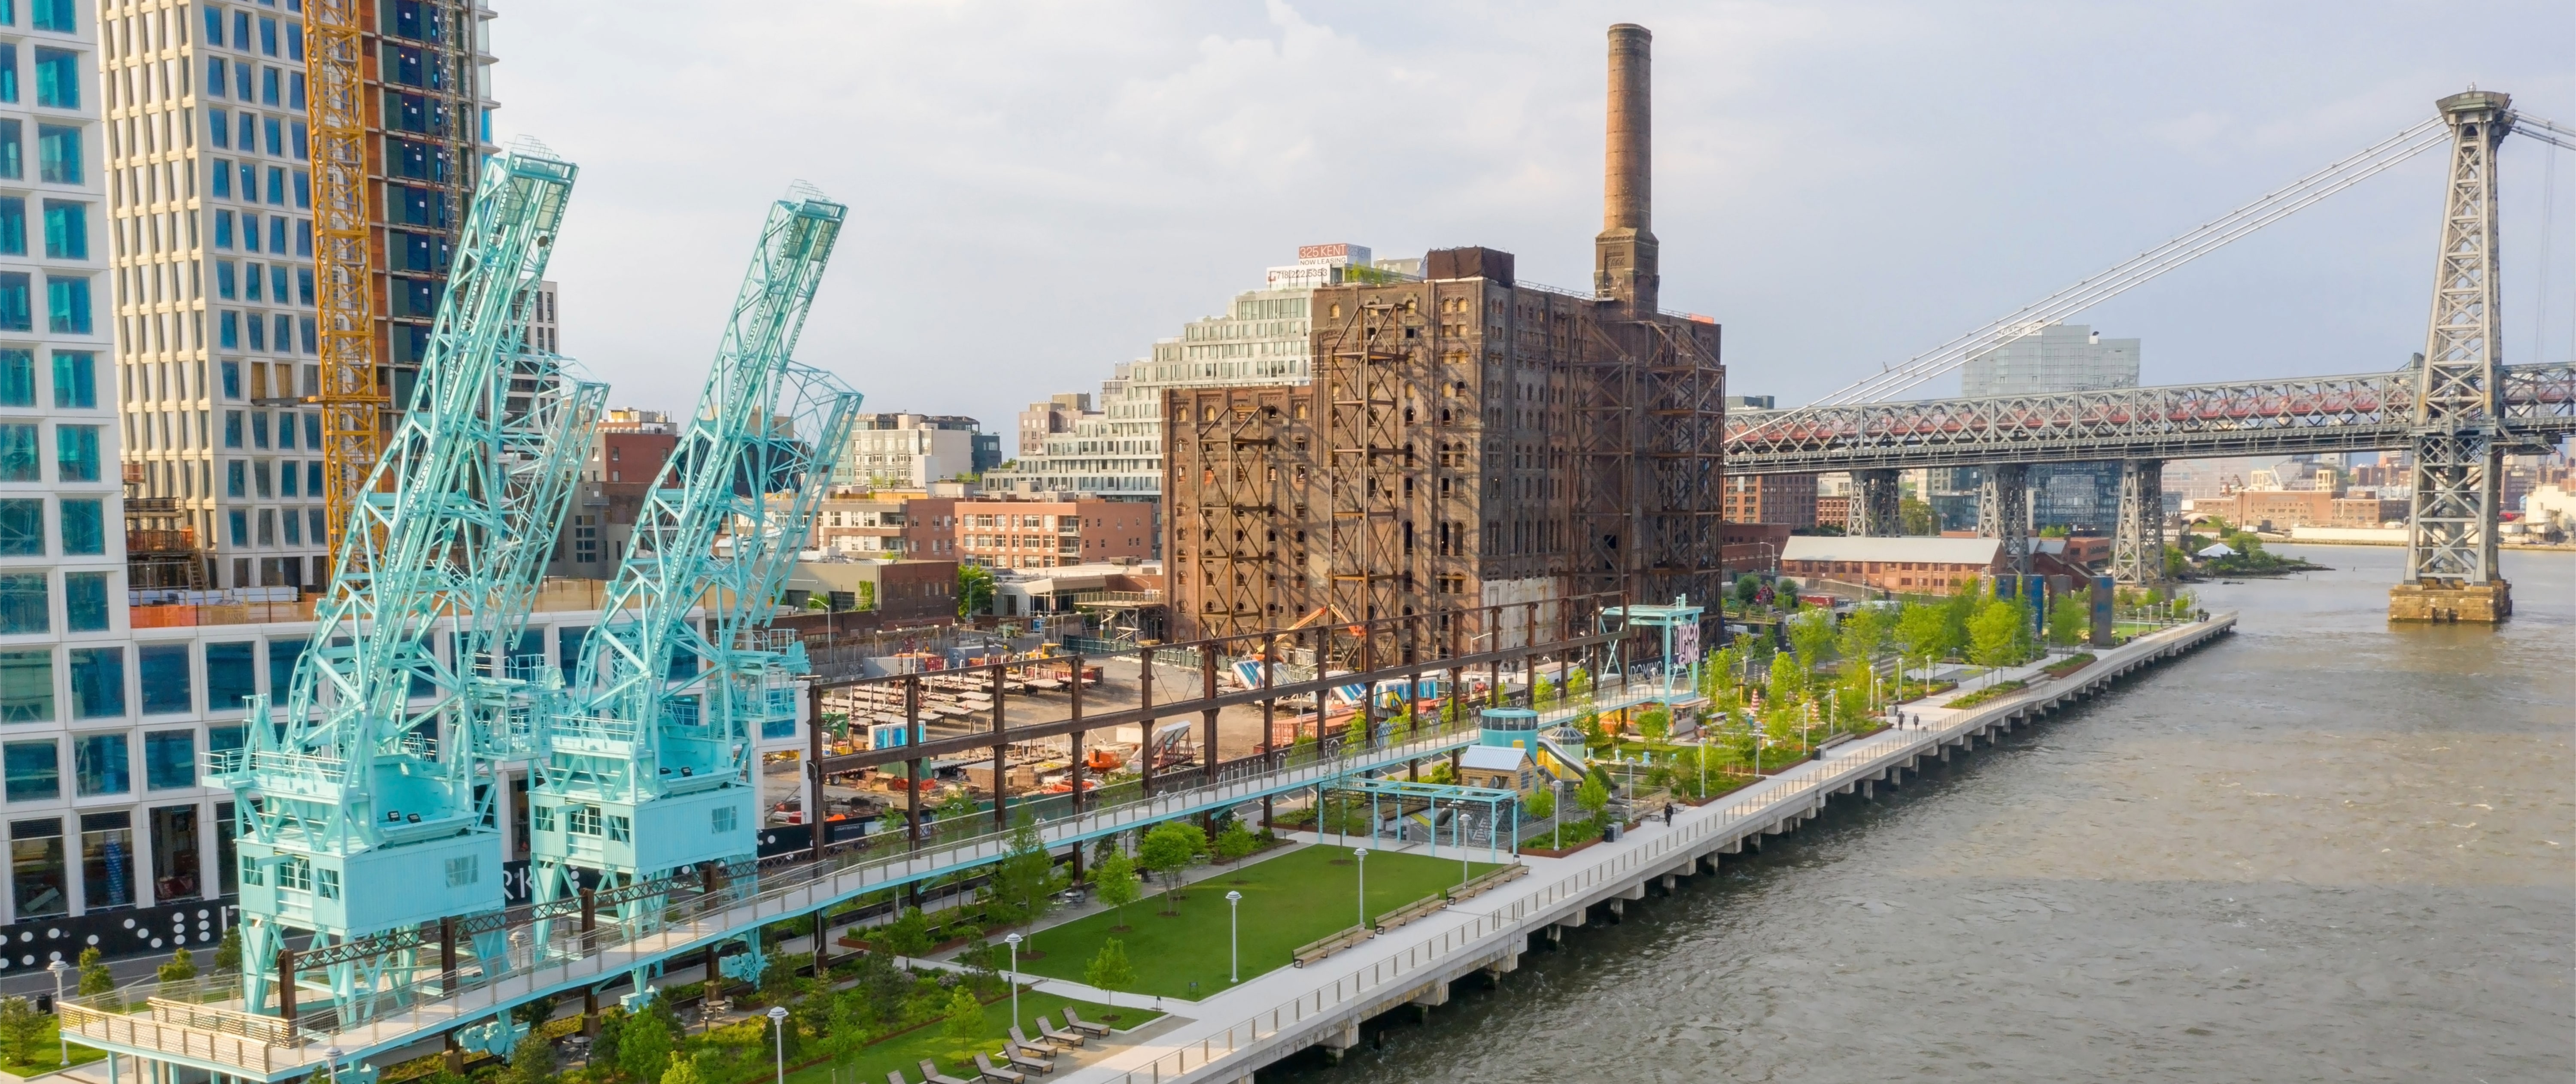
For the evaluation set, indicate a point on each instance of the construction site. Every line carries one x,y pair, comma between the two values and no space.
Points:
1468,439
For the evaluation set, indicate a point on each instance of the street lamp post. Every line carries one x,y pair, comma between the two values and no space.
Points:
1360,855
60,969
1557,822
778,1032
1014,942
1234,936
1458,834
331,1060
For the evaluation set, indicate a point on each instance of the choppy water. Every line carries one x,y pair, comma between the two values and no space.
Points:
2324,849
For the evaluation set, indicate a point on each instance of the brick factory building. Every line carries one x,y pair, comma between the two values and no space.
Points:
1465,439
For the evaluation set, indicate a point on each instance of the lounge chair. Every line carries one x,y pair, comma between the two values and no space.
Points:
1033,1060
930,1074
1060,1038
1079,1024
895,1076
984,1062
1048,1045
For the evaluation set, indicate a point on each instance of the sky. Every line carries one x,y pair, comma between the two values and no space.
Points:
1039,191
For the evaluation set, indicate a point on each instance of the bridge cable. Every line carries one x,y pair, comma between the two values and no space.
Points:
1889,382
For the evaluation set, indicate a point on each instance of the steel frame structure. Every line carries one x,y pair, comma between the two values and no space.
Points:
646,762
367,817
352,402
1877,504
2138,535
1248,534
2003,511
2362,412
2455,435
1365,383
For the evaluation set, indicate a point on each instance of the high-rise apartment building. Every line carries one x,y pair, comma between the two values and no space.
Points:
1056,415
2043,359
209,189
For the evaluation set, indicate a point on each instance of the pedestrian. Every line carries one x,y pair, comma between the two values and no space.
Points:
1668,814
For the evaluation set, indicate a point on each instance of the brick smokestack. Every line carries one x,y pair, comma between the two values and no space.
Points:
1624,262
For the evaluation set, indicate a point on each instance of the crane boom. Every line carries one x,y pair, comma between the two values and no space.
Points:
646,764
359,808
344,298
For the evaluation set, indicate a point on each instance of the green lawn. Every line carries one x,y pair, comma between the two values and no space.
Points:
1288,902
905,1051
46,1048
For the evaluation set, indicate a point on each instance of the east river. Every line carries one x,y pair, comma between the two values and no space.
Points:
2324,849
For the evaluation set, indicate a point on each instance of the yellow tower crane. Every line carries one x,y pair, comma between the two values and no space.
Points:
352,402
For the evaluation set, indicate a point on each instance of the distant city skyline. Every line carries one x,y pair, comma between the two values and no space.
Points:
1842,186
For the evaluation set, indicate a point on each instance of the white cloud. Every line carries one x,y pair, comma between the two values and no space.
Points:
1040,190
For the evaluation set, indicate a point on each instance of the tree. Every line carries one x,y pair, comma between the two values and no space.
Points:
683,1070
94,976
1921,631
974,590
644,1047
1998,632
2067,617
1916,517
908,935
532,1061
1747,586
1546,694
1235,842
1654,723
1167,850
958,803
1109,971
23,1029
1788,678
1115,879
1539,804
965,1017
1579,685
1025,880
1812,635
228,953
1594,794
603,1049
181,968
1865,632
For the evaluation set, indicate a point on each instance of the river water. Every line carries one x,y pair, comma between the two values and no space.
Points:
2323,849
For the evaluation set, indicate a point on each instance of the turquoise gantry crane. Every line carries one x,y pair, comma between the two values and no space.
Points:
360,814
646,762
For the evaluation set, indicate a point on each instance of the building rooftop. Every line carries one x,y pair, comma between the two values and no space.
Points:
1942,551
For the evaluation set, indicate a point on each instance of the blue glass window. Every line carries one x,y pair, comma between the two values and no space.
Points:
67,304
58,154
258,332
169,758
286,442
57,77
24,604
75,378
234,472
304,286
250,229
13,225
101,762
276,133
13,155
277,293
225,739
98,683
27,686
259,429
233,431
54,15
22,527
17,376
277,185
303,180
35,774
231,674
267,36
228,330
8,71
85,601
18,459
241,32
313,470
17,302
214,25
294,37
295,97
165,678
282,655
215,64
270,87
224,281
239,521
66,230
219,128
277,235
223,229
76,452
223,180
84,527
285,331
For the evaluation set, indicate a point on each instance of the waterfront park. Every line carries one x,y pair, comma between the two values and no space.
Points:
1016,952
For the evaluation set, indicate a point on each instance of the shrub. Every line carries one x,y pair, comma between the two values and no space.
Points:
181,968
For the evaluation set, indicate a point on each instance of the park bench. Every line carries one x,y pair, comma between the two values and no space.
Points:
1410,912
1317,950
1488,881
